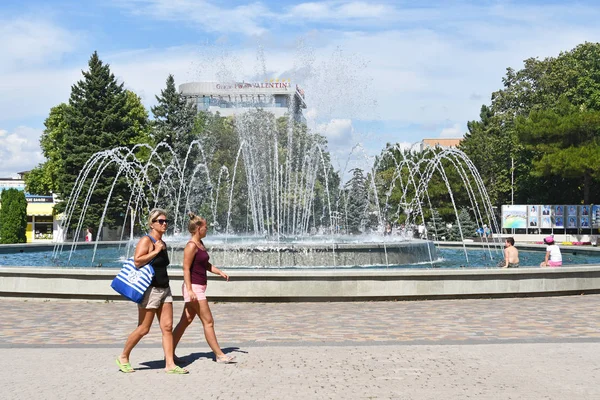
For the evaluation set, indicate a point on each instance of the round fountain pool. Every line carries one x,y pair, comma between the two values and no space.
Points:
239,254
235,254
30,271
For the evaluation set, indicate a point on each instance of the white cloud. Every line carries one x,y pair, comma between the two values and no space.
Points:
31,93
31,42
337,131
455,131
19,150
349,12
310,10
359,9
207,16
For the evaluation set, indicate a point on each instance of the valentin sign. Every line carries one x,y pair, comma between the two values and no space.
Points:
254,85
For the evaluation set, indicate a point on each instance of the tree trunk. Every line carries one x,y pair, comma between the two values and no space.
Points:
587,182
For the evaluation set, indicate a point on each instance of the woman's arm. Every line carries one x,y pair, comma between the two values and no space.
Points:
546,259
146,251
217,271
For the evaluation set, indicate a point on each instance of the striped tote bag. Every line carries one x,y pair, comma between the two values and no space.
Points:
132,282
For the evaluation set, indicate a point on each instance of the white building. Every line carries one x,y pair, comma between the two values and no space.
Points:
278,96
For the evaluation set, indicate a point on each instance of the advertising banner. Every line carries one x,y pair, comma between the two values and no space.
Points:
514,216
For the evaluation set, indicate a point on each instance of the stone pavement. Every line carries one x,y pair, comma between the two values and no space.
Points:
513,348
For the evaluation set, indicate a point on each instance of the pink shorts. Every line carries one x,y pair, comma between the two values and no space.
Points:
200,291
554,263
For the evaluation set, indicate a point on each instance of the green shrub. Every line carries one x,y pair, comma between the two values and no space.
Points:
13,216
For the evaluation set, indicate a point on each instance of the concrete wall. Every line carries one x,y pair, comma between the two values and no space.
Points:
310,285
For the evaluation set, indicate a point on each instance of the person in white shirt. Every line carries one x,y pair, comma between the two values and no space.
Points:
553,254
88,234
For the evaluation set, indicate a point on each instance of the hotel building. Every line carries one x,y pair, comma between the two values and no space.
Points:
277,96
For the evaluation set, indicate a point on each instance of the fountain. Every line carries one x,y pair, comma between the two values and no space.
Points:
281,220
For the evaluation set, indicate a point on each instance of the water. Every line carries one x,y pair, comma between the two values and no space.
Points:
454,258
449,258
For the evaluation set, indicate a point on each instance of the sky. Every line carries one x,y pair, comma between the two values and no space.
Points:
374,72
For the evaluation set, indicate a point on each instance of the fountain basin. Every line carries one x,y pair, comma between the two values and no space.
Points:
318,255
317,285
264,255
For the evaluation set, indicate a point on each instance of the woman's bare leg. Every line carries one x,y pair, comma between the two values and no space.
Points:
145,318
209,327
165,318
187,316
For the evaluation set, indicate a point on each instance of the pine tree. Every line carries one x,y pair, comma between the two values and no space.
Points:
174,119
467,226
13,216
356,203
99,117
436,227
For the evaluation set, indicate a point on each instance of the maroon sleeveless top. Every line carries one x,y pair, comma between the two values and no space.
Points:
199,266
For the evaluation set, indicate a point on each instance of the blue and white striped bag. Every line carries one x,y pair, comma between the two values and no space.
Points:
133,282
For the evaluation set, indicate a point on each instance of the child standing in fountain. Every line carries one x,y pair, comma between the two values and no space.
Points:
195,265
157,299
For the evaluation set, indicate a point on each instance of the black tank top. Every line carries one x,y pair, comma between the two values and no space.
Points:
160,263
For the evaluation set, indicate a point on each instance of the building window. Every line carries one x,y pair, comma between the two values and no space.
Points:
43,227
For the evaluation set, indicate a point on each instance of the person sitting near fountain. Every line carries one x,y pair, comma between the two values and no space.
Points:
487,232
553,254
511,254
195,265
157,299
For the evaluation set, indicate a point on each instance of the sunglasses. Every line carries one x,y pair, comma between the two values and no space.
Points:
162,221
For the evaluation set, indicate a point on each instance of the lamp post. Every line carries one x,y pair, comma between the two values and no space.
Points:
512,180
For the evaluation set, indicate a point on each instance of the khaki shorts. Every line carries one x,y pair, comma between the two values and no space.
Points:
155,297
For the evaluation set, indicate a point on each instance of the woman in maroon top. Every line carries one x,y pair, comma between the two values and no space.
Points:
195,265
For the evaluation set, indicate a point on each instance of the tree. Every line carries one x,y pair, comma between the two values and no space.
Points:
468,227
492,149
174,119
101,115
436,227
44,178
540,87
356,201
13,216
565,142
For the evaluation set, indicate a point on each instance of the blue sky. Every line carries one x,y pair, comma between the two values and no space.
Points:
375,72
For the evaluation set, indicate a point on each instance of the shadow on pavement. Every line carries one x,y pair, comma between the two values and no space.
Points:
184,361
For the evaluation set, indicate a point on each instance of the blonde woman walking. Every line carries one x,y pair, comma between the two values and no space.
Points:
195,266
157,299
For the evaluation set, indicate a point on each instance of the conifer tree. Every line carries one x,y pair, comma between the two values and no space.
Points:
13,216
357,201
174,119
99,117
436,227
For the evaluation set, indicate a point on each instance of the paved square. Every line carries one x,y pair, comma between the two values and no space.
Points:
514,348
